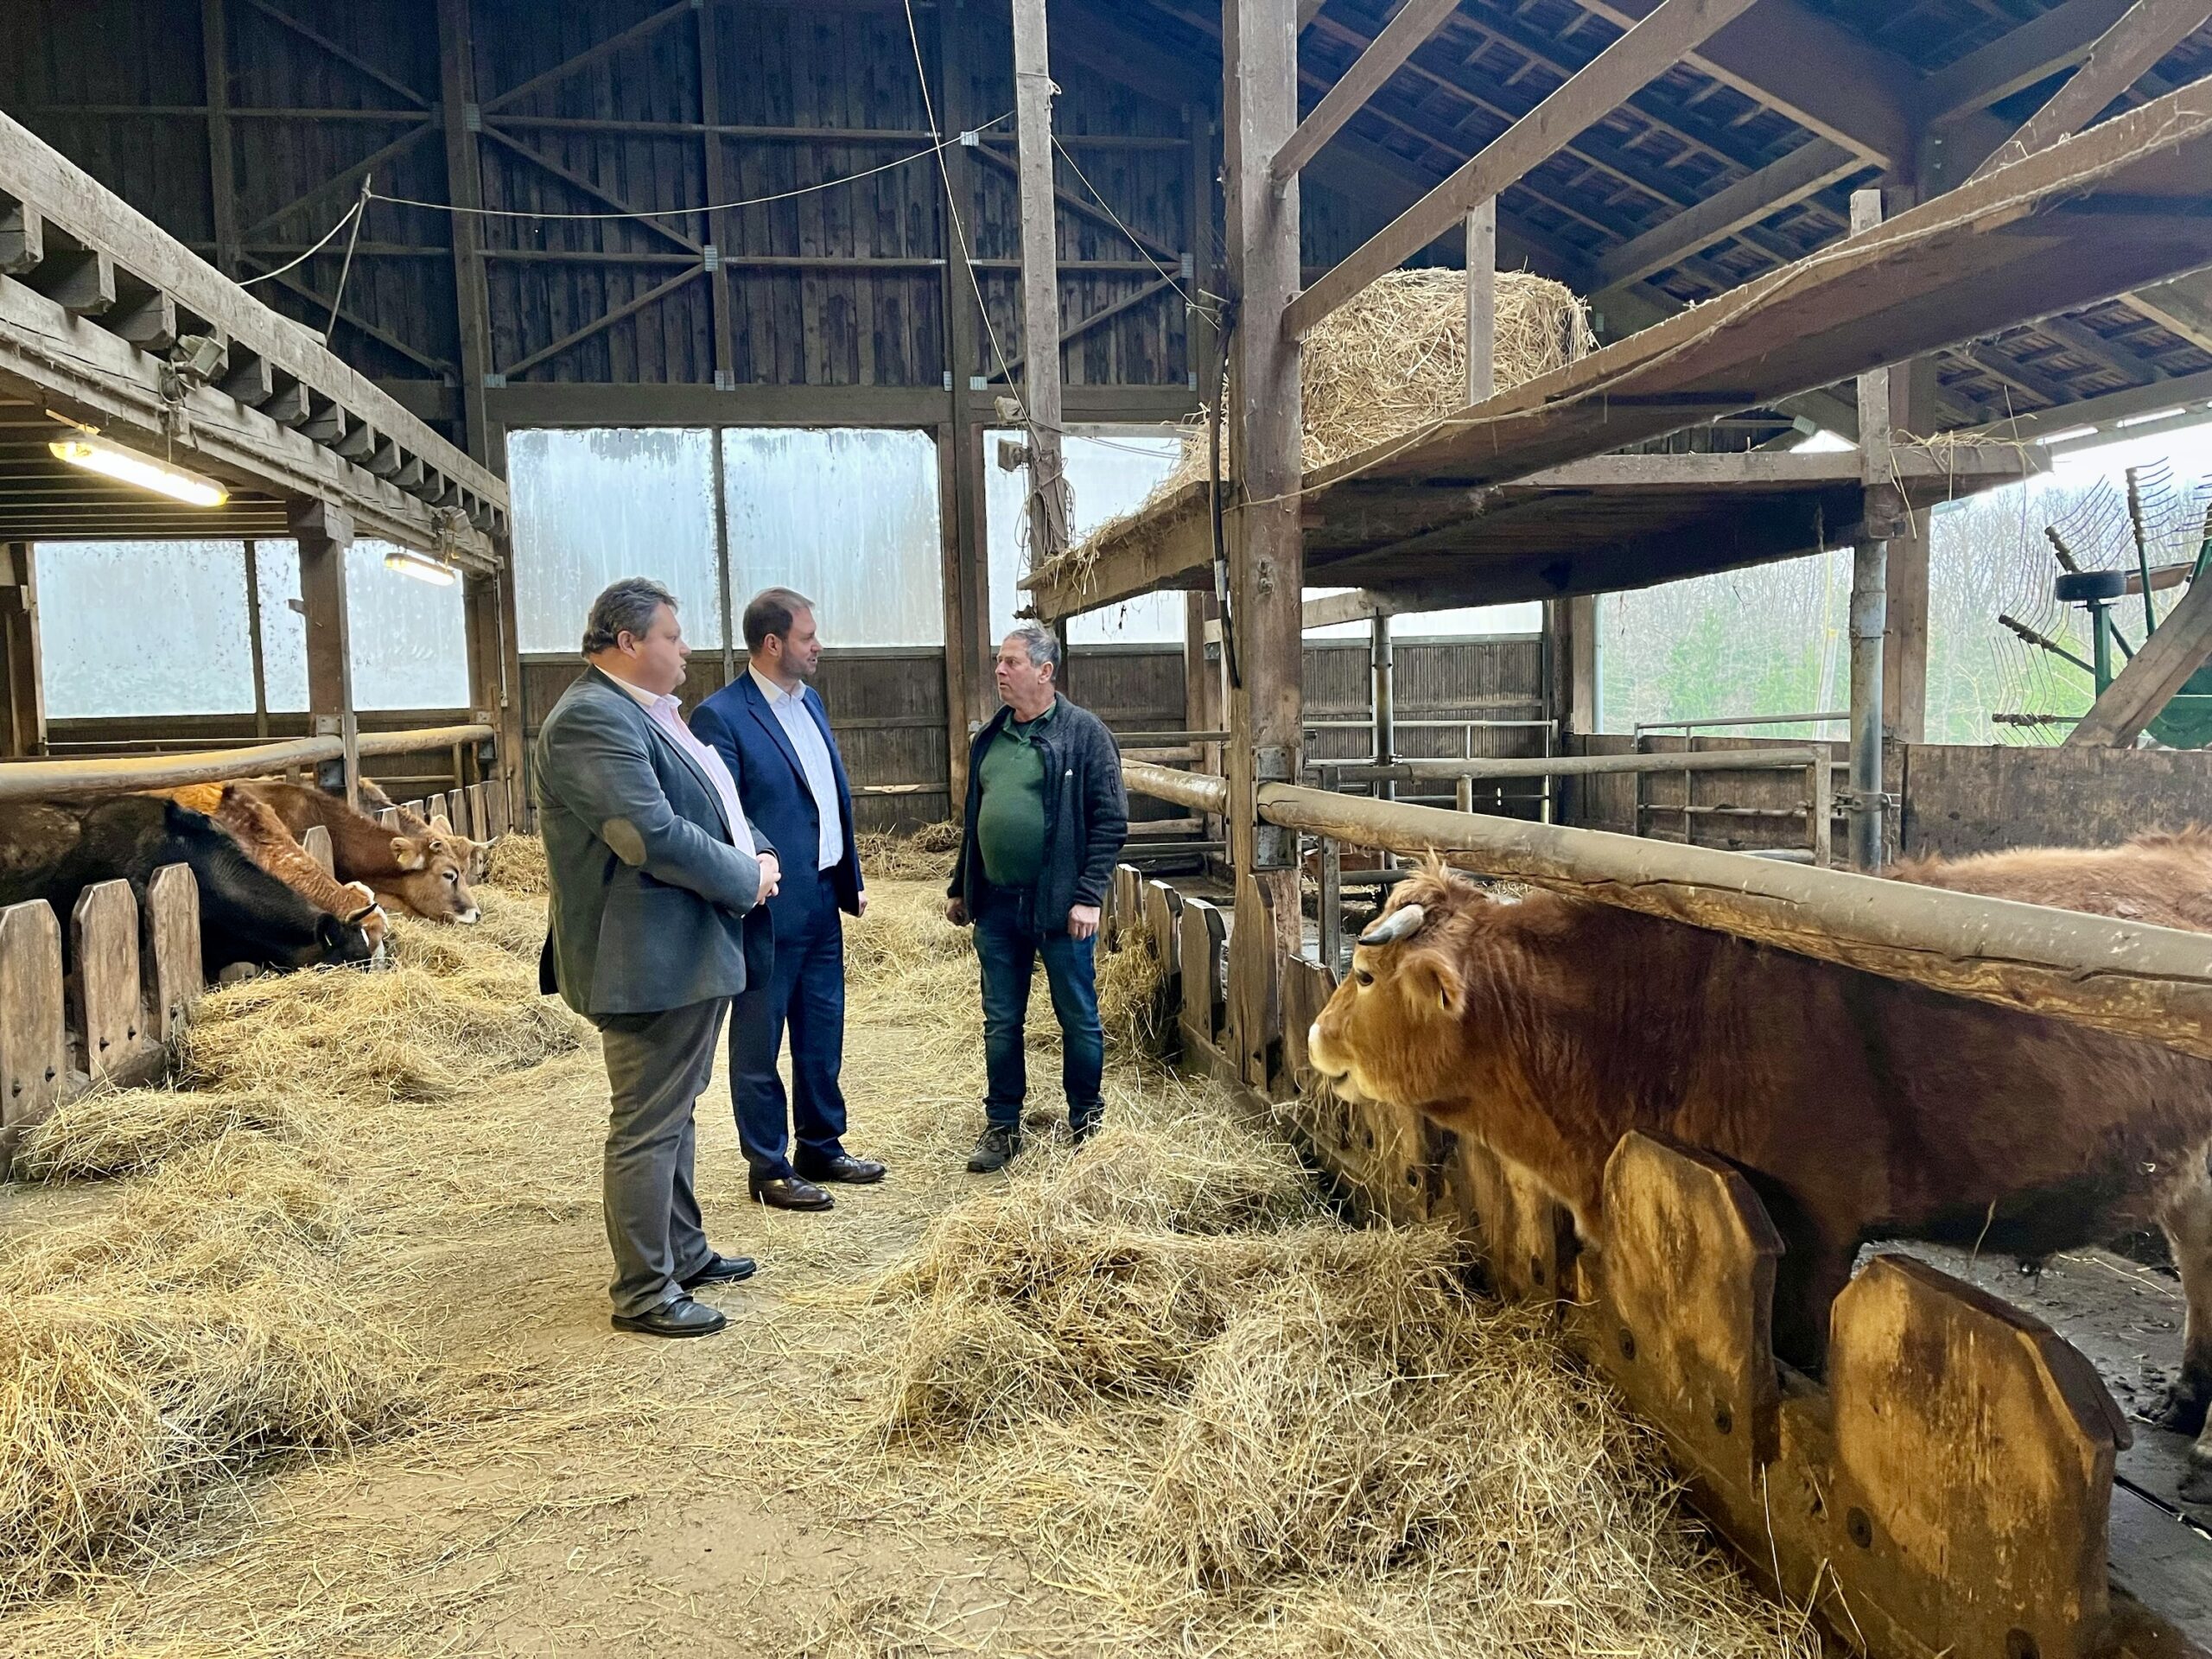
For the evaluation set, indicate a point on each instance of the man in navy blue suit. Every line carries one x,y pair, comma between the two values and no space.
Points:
769,727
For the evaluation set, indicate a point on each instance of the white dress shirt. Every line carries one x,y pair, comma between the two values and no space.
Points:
662,712
797,720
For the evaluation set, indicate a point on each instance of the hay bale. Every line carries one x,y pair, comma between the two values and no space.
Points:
517,864
163,1349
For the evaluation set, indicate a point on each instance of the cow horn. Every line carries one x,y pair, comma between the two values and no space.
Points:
1401,923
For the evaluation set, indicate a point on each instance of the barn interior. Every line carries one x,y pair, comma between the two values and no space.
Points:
1841,505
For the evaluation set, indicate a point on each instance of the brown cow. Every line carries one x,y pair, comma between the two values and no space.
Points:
475,855
2164,880
1859,1107
263,838
421,875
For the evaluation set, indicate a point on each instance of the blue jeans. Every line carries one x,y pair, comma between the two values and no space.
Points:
1008,943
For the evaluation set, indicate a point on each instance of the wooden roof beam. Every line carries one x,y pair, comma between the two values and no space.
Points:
1645,52
1808,169
2123,56
1416,20
1816,72
2014,62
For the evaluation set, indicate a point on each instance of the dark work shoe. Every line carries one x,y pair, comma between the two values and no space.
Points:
851,1172
721,1270
995,1149
682,1317
789,1192
1080,1129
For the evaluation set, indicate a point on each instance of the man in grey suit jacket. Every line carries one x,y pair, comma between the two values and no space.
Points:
655,922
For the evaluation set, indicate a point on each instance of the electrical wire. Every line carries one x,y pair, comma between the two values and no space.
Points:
1135,241
936,150
347,217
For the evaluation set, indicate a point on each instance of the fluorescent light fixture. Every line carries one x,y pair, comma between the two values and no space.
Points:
2068,435
420,566
129,466
2155,415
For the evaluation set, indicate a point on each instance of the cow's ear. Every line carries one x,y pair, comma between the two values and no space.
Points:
1439,982
407,855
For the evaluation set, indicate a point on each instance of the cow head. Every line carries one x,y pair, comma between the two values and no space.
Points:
369,916
432,881
1422,1019
475,855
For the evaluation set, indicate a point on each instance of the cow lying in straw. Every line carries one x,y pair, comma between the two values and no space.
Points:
1859,1108
263,838
423,873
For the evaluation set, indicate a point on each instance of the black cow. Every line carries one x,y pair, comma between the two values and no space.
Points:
54,850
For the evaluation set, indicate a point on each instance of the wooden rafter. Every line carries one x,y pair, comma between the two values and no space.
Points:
569,66
2017,59
330,49
1643,53
382,336
652,295
2122,56
1811,167
1095,320
596,191
353,175
1415,22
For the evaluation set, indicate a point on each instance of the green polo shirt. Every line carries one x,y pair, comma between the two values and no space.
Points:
1010,823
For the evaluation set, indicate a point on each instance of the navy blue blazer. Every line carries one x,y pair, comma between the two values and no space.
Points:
771,785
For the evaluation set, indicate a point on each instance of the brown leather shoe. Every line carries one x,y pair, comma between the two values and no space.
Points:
789,1192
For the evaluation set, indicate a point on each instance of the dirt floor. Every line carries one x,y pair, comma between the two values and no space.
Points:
554,1486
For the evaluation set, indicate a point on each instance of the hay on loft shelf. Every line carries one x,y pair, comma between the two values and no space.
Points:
1395,358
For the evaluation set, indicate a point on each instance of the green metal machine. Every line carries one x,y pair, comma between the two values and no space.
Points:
2186,721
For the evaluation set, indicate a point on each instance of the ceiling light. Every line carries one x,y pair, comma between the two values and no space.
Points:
2069,435
2155,415
129,466
420,566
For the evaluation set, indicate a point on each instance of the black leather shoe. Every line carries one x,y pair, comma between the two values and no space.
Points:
684,1318
994,1150
789,1192
1080,1129
722,1270
850,1171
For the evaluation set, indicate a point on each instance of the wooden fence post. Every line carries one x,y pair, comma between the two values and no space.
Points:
104,929
316,844
175,975
33,1042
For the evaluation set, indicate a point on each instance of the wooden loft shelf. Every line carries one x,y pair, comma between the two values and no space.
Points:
2118,207
1599,525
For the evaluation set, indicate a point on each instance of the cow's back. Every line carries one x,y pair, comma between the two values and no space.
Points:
2164,880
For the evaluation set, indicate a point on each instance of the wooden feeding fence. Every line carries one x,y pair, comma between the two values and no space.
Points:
1950,1484
134,969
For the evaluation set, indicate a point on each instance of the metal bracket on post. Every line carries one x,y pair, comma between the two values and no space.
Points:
1273,847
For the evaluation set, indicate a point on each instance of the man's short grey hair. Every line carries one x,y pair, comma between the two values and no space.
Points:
628,607
1043,646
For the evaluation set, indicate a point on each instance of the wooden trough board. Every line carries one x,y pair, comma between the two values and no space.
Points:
1948,1490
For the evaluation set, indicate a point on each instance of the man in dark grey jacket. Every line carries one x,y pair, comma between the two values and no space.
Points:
657,881
1047,817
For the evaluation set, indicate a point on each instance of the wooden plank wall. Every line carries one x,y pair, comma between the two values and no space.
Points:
1741,811
1960,799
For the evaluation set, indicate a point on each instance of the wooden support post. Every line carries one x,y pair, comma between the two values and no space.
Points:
1904,634
720,230
222,183
1481,301
465,189
1332,904
21,674
1819,811
256,644
1041,283
1266,553
325,534
1882,517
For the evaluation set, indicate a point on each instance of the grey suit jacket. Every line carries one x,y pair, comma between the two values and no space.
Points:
649,899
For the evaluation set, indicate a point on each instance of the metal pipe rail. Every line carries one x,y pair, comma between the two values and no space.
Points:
46,780
1575,766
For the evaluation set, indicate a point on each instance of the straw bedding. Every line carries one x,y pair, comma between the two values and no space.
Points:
1150,1396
